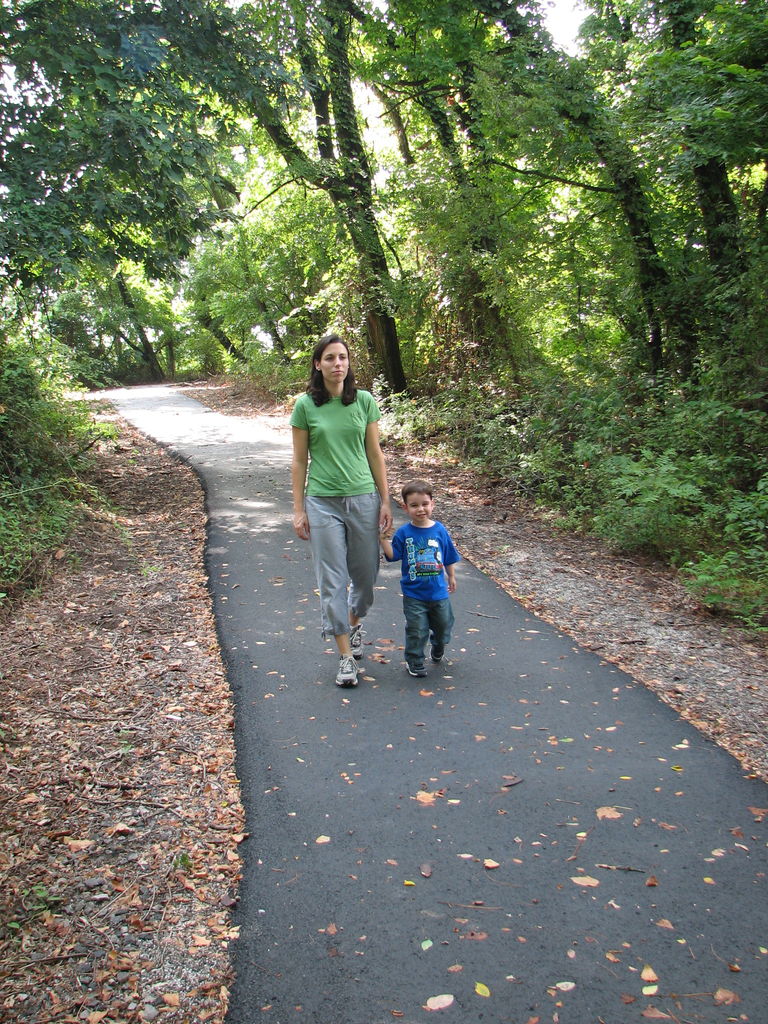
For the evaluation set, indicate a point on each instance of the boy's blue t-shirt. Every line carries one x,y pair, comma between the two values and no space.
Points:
424,551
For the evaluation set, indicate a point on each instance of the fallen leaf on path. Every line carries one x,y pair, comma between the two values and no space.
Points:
724,997
322,840
490,864
120,829
76,845
482,990
608,813
511,780
585,880
427,797
441,1002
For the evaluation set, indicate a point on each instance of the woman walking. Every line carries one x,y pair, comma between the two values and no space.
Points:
340,495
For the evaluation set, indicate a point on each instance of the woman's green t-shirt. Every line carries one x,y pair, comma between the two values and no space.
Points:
338,463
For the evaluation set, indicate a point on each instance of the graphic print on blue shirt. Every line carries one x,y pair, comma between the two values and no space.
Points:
424,552
423,560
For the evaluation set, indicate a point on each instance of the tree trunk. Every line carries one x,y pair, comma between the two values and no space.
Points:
346,177
392,114
221,336
355,199
145,349
719,213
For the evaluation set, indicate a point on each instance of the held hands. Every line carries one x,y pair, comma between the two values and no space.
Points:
385,520
386,529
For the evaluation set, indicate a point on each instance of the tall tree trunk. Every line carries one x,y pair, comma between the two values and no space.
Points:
481,317
392,114
719,212
215,328
346,177
720,215
664,299
355,198
145,349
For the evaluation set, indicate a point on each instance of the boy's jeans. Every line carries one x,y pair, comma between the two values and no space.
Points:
425,620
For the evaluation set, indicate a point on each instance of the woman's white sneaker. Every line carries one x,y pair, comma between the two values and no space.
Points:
347,674
356,640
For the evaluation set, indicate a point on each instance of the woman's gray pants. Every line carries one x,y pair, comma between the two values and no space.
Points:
344,534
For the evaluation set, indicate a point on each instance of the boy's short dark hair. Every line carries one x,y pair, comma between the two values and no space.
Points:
416,487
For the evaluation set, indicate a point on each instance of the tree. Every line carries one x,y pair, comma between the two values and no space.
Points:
103,143
317,62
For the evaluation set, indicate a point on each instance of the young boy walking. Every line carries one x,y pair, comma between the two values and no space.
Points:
428,558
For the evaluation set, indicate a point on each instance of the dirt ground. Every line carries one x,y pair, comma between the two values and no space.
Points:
120,813
119,804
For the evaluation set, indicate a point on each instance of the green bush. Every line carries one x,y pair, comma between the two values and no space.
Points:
271,374
650,465
43,440
735,579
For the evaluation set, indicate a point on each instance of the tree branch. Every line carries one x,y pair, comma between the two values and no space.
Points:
554,177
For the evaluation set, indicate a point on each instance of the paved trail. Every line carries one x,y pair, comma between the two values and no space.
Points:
590,858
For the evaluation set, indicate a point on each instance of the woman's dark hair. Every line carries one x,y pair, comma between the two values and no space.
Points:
316,388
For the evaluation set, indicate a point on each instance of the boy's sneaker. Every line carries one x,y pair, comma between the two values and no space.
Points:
356,640
436,652
416,670
347,674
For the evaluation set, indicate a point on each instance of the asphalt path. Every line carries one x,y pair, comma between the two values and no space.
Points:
527,835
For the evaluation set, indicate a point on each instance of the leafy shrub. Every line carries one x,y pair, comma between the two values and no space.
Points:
673,470
273,375
43,439
735,579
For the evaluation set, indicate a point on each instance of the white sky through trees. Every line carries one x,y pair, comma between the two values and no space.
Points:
563,19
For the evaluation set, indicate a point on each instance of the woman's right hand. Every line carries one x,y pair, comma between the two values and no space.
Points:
301,525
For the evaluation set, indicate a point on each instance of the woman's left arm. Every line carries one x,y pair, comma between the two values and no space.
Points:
379,471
